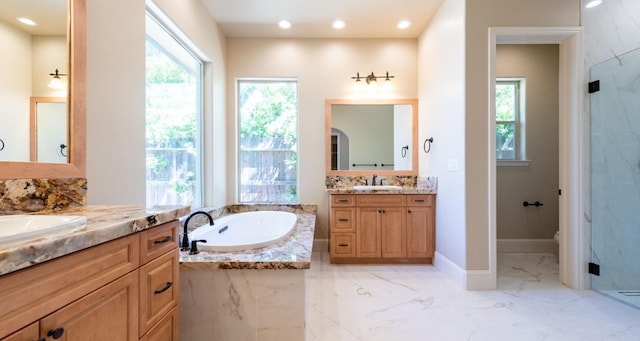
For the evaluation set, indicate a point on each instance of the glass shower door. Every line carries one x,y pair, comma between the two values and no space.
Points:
615,177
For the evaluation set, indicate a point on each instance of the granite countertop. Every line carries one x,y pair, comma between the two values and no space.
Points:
104,223
292,253
404,190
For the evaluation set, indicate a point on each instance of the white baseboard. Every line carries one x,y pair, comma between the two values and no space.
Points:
527,245
466,279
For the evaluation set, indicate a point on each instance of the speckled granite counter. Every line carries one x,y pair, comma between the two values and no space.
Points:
404,190
409,184
104,223
292,253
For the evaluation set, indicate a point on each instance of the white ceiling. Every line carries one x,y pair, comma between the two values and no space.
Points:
313,18
51,15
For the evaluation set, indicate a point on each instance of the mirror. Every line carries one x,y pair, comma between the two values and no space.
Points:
365,137
76,99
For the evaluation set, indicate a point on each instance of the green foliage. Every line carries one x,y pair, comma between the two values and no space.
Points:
506,102
268,110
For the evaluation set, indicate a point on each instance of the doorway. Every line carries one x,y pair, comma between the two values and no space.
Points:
573,242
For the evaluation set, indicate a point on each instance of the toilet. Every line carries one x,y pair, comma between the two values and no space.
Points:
556,237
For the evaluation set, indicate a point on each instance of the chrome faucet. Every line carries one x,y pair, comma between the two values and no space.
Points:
373,179
184,246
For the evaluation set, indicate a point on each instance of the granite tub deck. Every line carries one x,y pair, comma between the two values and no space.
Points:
248,295
104,223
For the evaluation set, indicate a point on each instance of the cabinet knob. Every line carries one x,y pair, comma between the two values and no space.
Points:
56,333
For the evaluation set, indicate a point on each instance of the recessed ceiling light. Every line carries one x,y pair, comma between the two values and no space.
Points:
27,21
402,24
593,3
339,24
284,24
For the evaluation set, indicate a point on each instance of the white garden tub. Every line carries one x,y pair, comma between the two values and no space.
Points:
245,231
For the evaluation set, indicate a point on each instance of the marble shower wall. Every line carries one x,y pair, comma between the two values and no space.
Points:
611,31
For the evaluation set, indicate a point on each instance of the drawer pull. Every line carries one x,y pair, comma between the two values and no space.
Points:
343,219
343,200
162,241
343,245
166,287
56,333
419,200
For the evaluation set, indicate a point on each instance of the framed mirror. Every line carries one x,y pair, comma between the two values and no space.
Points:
371,136
76,105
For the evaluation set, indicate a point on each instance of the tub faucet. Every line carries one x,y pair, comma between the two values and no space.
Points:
373,179
184,246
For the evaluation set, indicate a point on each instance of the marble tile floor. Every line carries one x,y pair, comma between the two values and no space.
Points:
409,302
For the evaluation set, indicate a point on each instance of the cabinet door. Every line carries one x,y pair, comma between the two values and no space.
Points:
368,232
343,245
107,314
420,232
159,289
343,219
166,329
394,236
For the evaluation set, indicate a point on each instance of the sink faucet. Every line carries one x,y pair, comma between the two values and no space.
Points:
184,246
373,179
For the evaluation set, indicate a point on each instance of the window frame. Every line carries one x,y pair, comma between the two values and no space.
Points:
519,122
178,37
238,153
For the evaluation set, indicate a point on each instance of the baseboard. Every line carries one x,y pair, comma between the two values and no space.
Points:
528,245
466,279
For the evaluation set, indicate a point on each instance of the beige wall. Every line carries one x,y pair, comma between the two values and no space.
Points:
116,97
442,116
481,15
538,65
323,68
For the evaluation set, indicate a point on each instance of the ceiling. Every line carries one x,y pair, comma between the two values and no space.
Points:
313,18
51,15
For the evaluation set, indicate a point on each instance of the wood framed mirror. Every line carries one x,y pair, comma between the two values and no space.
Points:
76,99
371,136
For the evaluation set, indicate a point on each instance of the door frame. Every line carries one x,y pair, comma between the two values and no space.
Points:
575,239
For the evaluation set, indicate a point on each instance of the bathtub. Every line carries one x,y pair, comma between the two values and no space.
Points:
244,231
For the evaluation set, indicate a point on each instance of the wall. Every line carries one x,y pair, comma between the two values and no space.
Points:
48,54
480,16
538,181
116,97
323,68
15,89
442,116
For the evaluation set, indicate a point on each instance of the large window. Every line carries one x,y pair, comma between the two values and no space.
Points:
509,120
268,141
173,120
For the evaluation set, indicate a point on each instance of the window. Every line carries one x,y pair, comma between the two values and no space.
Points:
509,145
268,141
173,120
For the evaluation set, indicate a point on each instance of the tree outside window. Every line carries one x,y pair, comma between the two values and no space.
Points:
507,119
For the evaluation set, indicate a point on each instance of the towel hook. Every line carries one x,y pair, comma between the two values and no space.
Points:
404,151
62,147
1,144
424,145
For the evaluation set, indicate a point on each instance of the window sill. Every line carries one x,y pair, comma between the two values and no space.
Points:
513,163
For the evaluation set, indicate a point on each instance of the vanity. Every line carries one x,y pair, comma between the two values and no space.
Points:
114,279
379,211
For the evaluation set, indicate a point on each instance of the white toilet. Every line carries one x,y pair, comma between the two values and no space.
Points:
556,237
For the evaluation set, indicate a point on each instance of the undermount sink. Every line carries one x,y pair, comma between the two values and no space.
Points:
24,227
377,188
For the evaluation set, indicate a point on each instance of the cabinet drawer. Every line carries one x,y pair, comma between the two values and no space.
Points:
381,200
158,240
343,200
420,200
28,333
343,219
343,244
29,294
166,329
158,289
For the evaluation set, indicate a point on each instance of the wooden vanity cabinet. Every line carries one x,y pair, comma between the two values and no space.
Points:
388,228
93,294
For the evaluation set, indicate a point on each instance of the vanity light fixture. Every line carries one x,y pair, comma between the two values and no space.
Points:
56,82
372,78
593,3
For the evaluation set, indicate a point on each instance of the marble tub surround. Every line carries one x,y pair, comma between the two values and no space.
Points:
292,253
33,195
104,223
